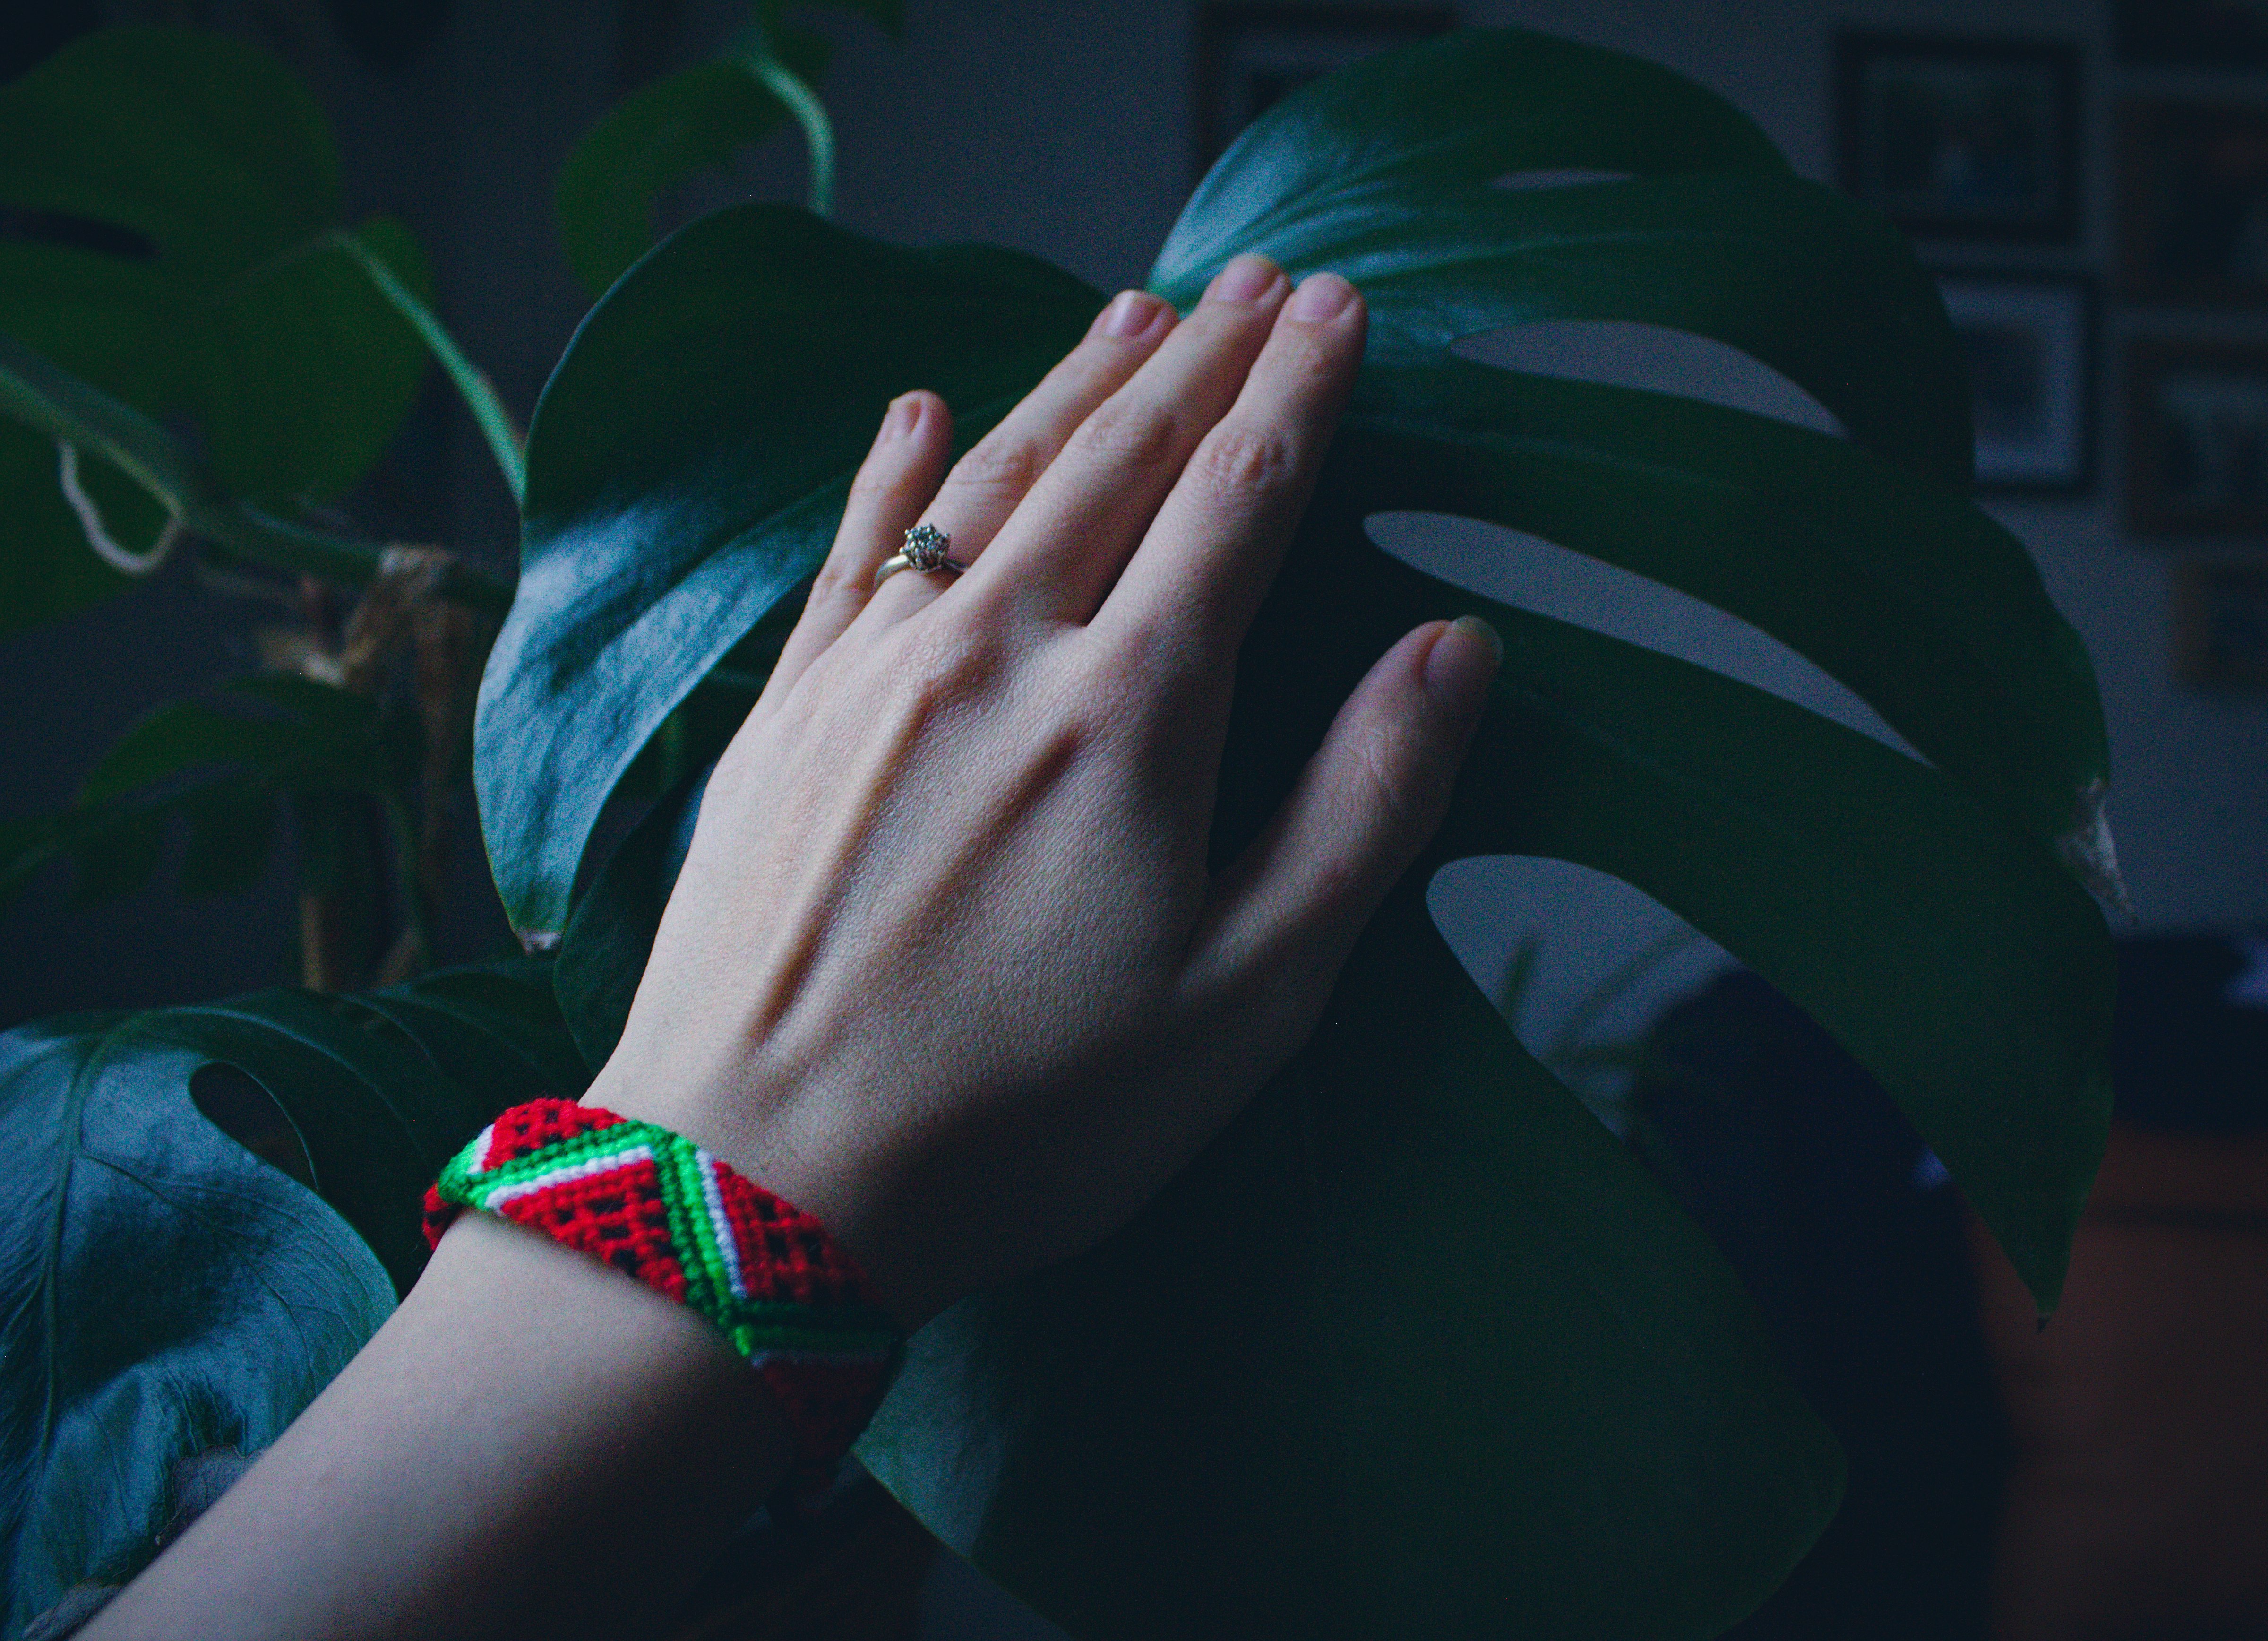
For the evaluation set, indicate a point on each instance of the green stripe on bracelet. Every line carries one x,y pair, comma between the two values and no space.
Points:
803,1317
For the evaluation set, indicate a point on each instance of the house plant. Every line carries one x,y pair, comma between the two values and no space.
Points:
1414,1346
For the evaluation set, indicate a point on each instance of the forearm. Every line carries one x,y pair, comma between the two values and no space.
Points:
533,1442
945,966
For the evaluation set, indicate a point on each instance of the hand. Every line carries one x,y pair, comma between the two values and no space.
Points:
945,966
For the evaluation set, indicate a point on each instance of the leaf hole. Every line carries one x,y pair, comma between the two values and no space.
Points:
1621,353
1580,965
237,1104
1531,573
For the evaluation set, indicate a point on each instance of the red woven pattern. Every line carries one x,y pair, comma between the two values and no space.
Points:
618,1216
440,1214
514,1134
655,1207
542,1122
786,1254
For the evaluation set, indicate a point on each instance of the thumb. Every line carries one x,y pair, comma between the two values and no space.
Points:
1284,916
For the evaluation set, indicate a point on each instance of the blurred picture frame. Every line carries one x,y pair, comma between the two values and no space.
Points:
2193,202
1251,54
2029,340
1955,137
2220,625
2195,439
2191,33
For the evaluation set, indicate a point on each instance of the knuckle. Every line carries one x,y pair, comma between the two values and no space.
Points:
1073,687
1132,432
877,481
843,575
1115,673
1012,466
1247,458
945,663
1159,662
1119,681
1076,726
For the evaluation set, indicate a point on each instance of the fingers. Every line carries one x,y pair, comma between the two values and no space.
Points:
1284,917
1065,546
986,484
1211,556
894,483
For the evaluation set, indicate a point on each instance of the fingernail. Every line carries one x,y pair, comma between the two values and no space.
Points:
1129,314
903,417
1462,663
1246,279
1320,296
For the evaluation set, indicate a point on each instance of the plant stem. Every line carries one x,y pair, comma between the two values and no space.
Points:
125,561
43,395
410,952
810,114
478,392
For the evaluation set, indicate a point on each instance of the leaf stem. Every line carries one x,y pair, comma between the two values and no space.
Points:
478,392
123,559
810,114
43,395
412,948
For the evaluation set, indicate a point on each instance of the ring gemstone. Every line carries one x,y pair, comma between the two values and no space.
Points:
926,547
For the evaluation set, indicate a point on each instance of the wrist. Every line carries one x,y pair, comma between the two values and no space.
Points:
806,1155
667,1211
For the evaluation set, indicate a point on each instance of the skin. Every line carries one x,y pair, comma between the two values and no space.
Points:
944,967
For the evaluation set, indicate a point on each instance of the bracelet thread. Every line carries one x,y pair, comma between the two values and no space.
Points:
657,1207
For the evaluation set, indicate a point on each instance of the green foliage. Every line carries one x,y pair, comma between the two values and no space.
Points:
1416,1346
1414,1349
675,127
182,188
655,138
473,386
1950,954
148,461
780,340
46,568
604,949
1440,1351
1922,604
165,1291
223,768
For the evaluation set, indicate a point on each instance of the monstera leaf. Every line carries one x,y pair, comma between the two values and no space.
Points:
167,1292
179,246
1415,1348
694,121
223,767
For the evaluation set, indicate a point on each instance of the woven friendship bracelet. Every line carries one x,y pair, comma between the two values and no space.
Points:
656,1206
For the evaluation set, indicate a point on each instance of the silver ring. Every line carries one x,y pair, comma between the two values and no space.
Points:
927,548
